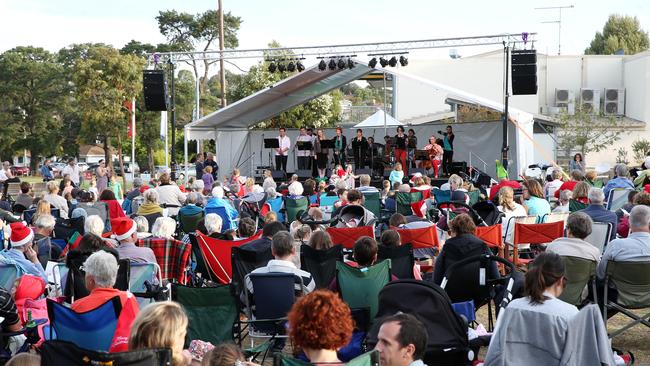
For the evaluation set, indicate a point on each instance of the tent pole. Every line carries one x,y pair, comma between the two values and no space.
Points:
185,132
504,146
385,131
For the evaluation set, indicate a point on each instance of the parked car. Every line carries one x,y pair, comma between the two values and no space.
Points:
128,168
19,170
82,167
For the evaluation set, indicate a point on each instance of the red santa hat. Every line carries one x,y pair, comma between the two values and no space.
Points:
20,234
123,227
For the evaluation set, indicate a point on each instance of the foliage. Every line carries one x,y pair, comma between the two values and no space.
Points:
640,149
620,32
468,113
588,133
621,156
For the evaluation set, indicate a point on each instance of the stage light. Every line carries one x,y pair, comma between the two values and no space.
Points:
272,67
322,65
341,64
383,62
291,67
403,61
332,64
281,67
393,61
372,63
300,66
350,64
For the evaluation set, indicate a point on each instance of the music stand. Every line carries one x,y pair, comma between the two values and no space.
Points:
303,145
273,143
421,155
327,144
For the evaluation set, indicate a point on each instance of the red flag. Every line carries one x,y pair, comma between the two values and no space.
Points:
131,125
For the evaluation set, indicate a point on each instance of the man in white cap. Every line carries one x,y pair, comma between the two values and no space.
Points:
125,231
21,253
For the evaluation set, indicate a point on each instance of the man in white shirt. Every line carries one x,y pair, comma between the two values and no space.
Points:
578,228
72,169
282,152
303,155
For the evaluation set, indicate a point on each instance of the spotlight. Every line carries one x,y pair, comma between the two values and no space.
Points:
272,67
300,66
332,64
372,63
350,64
281,67
393,61
403,61
341,64
322,65
383,62
291,67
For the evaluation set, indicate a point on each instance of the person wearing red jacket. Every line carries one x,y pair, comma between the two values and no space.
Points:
576,176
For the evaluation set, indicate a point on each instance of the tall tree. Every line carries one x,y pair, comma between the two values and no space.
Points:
621,32
587,133
32,92
105,80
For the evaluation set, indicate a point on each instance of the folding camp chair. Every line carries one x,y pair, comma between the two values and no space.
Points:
632,281
58,352
534,234
8,275
326,204
189,223
474,196
492,236
93,329
173,257
555,217
576,205
372,202
440,195
212,312
579,272
359,287
140,273
600,234
346,236
275,205
60,277
404,201
617,198
75,287
420,238
244,262
510,225
367,359
13,190
293,206
401,260
321,264
217,255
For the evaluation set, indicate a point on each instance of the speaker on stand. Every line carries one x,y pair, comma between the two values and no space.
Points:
154,83
524,72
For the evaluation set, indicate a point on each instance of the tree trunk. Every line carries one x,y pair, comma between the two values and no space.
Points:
120,157
150,162
107,154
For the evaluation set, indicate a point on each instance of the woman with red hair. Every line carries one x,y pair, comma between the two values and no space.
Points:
320,323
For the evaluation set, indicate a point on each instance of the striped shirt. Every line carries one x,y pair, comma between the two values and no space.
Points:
7,309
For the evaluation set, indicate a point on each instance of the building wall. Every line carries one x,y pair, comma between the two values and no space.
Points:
637,87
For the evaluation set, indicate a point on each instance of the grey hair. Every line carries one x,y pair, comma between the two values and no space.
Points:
404,188
579,224
213,223
596,196
94,225
45,222
150,196
364,180
198,185
621,170
455,178
102,267
217,192
137,182
164,227
296,189
142,224
271,193
268,183
566,195
192,198
640,217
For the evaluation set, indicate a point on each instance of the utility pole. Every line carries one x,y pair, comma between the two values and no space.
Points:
222,72
558,21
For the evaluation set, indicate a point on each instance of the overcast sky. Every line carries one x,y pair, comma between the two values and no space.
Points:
55,24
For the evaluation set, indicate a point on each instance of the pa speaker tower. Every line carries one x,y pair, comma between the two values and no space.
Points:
154,83
524,72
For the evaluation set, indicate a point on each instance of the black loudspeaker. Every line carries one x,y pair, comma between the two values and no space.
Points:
459,167
154,83
304,174
364,171
412,171
279,175
524,72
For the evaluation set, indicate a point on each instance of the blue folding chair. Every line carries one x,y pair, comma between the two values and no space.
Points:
138,274
93,330
8,275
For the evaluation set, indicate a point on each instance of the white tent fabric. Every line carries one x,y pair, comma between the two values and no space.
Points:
378,119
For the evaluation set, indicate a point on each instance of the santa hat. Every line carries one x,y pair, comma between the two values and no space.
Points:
20,234
123,227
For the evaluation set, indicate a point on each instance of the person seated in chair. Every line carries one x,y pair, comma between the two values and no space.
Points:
365,187
597,211
191,207
126,232
45,249
220,204
101,273
213,224
364,253
578,227
264,243
22,252
24,198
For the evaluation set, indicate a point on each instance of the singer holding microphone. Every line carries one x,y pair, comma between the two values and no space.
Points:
360,149
447,150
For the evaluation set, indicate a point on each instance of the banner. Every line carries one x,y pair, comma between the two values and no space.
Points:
163,125
130,106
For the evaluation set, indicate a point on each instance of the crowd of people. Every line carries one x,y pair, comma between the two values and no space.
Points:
320,323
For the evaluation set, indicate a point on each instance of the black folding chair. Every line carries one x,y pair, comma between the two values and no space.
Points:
401,260
320,263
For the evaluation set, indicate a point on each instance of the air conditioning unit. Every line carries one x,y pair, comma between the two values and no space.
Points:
590,100
614,102
565,100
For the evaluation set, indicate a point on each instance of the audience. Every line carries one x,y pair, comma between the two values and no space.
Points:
169,194
142,227
578,227
225,354
576,176
364,184
621,180
22,252
320,240
44,248
510,209
246,228
213,225
164,227
126,234
581,192
223,207
563,202
535,199
553,186
55,200
597,211
150,208
24,198
264,243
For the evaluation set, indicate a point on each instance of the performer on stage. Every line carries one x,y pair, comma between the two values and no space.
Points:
435,155
411,146
340,144
359,149
303,155
312,153
400,148
448,147
282,152
321,154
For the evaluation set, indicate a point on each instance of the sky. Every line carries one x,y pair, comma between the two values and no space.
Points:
56,24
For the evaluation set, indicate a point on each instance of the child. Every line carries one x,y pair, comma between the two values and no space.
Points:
385,192
349,177
207,179
339,171
343,198
93,187
116,187
397,175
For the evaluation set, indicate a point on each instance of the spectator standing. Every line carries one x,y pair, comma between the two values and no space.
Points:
102,176
209,161
199,166
170,194
46,171
72,169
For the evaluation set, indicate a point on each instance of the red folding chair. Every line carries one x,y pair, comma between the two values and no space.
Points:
217,254
534,234
346,236
426,237
492,236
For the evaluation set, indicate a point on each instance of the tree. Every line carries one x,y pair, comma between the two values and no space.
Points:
588,133
621,32
105,80
640,149
32,93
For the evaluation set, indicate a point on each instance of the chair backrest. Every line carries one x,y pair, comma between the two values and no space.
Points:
39,187
244,262
441,195
173,257
578,272
60,276
474,196
76,282
404,201
537,233
327,201
93,330
211,312
189,223
632,281
367,359
275,205
223,212
138,274
555,217
401,260
58,352
359,287
217,256
346,236
468,279
419,238
372,202
321,264
273,297
8,275
13,189
294,205
576,205
492,236
510,225
617,198
600,235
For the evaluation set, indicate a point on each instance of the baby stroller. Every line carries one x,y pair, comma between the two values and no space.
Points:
347,216
251,206
483,213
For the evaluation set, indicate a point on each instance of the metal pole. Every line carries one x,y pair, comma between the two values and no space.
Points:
385,106
504,146
173,110
185,159
222,72
559,34
133,138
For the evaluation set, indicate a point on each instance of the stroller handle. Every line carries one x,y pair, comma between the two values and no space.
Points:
305,218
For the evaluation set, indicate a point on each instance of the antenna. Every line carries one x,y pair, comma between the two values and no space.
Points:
558,21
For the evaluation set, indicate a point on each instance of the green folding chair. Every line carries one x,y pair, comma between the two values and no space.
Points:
404,200
212,312
576,206
359,287
190,223
372,202
293,206
367,359
579,271
474,196
632,281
